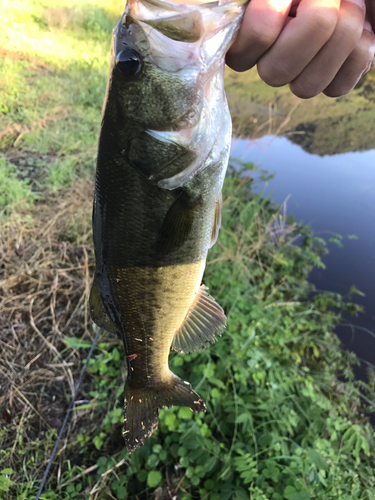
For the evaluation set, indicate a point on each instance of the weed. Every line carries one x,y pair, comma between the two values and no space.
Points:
62,173
5,481
13,189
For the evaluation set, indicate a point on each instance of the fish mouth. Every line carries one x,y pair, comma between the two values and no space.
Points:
172,5
221,12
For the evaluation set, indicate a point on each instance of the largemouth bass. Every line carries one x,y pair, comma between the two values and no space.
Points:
163,153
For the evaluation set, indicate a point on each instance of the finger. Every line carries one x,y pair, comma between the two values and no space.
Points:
260,27
300,41
357,64
323,68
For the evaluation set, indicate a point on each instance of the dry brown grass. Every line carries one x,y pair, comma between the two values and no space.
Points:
46,264
16,131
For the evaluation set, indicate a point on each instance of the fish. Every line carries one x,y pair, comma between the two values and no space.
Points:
162,156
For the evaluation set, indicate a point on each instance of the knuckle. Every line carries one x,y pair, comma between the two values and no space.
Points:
351,30
238,62
275,73
353,9
324,21
337,90
339,86
304,89
264,37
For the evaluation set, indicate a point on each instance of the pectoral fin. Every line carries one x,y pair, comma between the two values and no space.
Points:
217,220
177,224
204,319
98,311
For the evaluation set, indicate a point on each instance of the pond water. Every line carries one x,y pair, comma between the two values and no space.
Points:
332,194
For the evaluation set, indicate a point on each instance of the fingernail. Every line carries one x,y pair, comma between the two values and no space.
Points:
367,26
360,3
367,69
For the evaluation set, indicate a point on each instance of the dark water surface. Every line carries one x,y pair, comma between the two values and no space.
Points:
333,194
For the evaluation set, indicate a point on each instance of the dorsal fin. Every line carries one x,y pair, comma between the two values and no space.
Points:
204,318
183,27
217,220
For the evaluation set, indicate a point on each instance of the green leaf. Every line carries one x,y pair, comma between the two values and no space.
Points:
240,494
192,444
185,413
154,478
195,480
115,354
244,417
181,452
142,475
152,461
102,461
170,419
209,484
7,471
300,495
210,464
77,343
121,492
226,492
289,492
365,446
189,472
317,459
178,361
5,483
86,406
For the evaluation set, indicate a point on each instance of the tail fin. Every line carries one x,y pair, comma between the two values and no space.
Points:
143,404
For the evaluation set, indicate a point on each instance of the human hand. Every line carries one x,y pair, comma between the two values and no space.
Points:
312,45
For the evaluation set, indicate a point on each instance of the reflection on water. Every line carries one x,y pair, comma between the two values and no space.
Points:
333,194
321,125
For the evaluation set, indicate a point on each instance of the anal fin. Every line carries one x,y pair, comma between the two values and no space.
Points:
98,311
204,318
143,404
217,220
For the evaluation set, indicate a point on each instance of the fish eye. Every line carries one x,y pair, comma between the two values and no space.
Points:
129,62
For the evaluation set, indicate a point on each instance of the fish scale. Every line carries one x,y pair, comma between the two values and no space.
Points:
157,205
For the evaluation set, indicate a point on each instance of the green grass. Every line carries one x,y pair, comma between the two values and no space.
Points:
285,416
13,190
53,80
